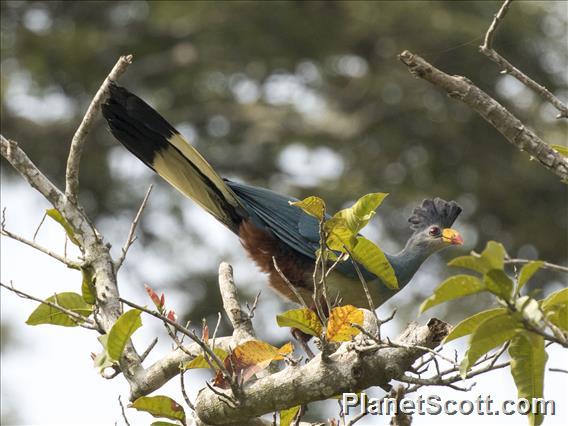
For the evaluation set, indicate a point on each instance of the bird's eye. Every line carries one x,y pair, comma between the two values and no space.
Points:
434,231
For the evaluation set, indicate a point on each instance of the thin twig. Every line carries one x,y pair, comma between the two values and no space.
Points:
289,284
148,349
69,263
558,370
545,265
79,319
39,226
183,392
123,412
367,292
487,49
132,233
183,330
72,171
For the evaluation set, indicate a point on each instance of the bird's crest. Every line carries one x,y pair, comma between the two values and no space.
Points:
434,212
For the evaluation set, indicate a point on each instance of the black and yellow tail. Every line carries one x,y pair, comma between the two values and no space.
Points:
160,146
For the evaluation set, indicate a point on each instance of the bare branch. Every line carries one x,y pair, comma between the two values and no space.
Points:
291,286
487,49
72,171
145,354
507,124
80,320
123,412
132,233
69,263
545,265
488,41
242,324
20,161
39,226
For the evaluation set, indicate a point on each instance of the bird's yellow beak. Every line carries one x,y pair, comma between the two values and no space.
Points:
451,236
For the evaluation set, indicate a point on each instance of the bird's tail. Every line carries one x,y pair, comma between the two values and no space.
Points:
161,147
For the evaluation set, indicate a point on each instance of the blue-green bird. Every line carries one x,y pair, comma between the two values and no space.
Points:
267,225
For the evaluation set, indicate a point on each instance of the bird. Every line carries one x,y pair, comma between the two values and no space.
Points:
279,237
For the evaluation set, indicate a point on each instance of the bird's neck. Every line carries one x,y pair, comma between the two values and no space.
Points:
406,262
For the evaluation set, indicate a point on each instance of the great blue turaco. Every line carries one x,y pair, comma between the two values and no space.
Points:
266,223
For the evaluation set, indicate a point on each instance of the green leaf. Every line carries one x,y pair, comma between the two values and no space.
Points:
359,214
498,283
160,423
45,314
200,361
528,360
160,406
121,331
374,260
58,217
555,308
453,288
339,235
469,262
563,150
558,316
88,285
303,319
489,334
494,255
558,297
469,325
289,415
528,271
314,206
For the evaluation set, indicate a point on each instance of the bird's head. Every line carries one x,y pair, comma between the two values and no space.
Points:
431,223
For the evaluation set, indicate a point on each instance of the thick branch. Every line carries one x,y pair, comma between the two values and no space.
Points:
348,369
72,172
487,49
240,320
506,123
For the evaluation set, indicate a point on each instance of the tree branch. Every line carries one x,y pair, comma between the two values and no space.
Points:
492,111
346,370
132,233
72,171
487,49
69,263
242,324
545,265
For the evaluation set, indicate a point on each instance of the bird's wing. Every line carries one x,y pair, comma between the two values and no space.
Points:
288,223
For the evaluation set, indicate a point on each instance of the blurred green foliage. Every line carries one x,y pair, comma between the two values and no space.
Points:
270,90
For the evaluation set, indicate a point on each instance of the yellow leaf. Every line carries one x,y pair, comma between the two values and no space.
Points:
339,235
561,149
200,361
359,214
289,415
314,206
303,319
339,328
160,406
285,350
374,260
